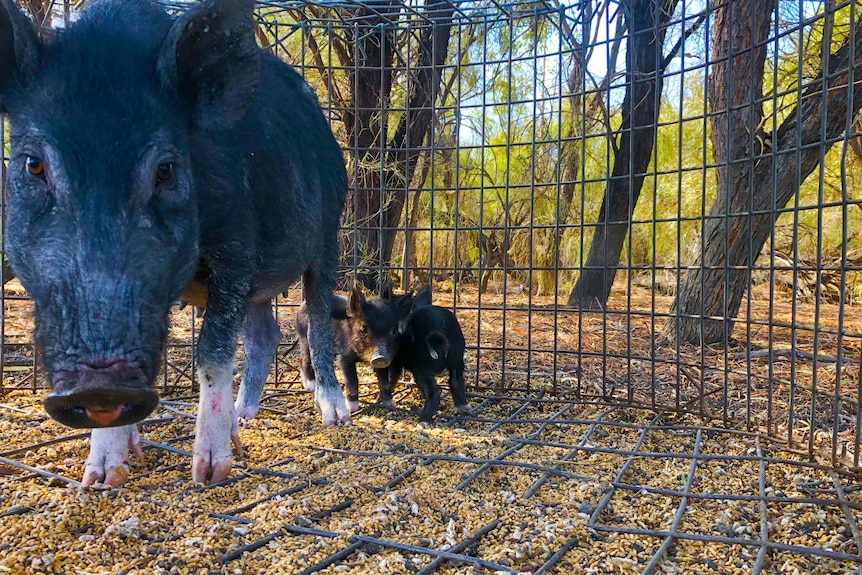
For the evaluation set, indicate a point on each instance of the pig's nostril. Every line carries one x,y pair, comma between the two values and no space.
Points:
379,361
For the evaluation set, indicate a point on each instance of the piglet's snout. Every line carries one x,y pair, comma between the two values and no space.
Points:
380,358
101,396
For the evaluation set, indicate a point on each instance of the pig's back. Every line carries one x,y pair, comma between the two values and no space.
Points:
430,318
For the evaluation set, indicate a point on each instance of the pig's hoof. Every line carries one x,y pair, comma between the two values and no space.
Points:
210,463
352,406
331,405
309,385
108,461
464,409
386,403
246,412
208,469
111,476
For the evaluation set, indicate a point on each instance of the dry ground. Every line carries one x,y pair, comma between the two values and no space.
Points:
571,482
560,488
520,342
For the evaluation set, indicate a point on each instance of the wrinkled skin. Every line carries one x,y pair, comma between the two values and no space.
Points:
432,343
365,330
155,156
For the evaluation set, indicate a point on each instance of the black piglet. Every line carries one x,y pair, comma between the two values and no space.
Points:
432,343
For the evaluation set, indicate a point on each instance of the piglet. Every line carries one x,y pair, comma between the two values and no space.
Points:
364,330
432,342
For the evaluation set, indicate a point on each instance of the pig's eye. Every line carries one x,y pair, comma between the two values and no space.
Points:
164,172
35,166
395,330
363,330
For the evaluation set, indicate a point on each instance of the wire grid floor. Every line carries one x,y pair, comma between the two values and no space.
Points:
538,484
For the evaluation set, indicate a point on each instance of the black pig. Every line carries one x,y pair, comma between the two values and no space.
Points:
153,156
365,330
432,343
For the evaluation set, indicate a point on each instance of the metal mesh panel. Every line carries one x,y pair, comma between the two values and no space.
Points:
482,216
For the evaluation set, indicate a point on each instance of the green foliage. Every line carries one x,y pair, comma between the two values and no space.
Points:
506,128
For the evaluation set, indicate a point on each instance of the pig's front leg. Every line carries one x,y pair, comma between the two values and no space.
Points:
318,295
108,461
216,426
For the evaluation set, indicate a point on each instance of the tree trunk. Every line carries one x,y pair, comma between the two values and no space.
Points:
750,192
369,79
408,258
647,24
383,170
414,128
572,148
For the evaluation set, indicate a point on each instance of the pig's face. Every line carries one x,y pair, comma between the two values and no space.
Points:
102,226
376,325
102,232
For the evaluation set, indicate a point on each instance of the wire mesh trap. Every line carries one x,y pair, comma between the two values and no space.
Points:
649,230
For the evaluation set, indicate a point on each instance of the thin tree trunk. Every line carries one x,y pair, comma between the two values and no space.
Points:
408,258
572,148
414,128
647,20
384,170
369,78
752,192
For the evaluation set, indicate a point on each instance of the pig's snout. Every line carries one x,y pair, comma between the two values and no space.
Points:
380,358
110,396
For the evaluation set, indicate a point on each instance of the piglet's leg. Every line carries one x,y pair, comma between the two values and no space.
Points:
108,461
431,392
386,380
318,293
351,382
306,371
216,425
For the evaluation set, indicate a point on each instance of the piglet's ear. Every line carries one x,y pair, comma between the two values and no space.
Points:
211,59
19,48
355,302
404,303
422,298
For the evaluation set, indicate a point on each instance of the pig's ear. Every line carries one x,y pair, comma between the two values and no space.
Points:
19,47
355,302
404,304
422,298
211,59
